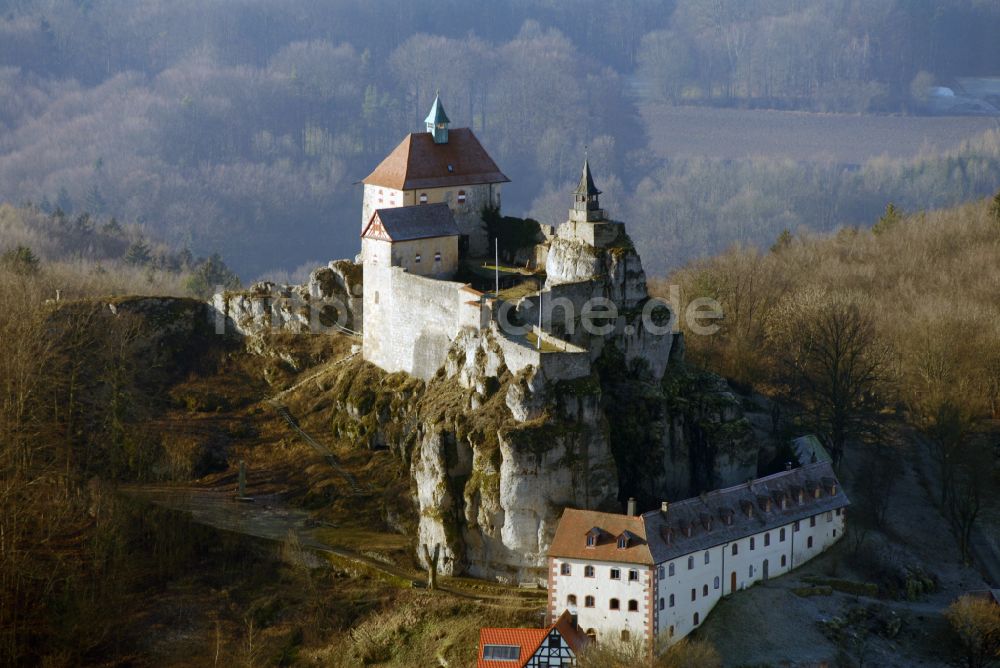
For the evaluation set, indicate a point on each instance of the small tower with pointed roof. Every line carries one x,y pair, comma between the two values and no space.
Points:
437,121
586,200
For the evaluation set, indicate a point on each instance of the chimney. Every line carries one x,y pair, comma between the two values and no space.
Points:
631,506
664,507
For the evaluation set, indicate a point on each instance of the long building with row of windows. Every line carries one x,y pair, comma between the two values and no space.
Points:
657,575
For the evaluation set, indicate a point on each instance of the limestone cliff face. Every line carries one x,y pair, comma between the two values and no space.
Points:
331,298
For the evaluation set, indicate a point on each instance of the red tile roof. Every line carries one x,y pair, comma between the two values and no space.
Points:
571,537
528,640
417,162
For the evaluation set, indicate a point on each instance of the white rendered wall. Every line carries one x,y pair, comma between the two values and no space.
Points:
829,528
607,622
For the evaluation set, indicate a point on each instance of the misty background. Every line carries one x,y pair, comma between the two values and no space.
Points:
243,126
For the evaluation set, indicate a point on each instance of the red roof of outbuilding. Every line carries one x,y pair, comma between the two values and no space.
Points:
528,640
418,162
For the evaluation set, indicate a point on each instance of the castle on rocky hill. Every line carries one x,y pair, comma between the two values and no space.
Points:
428,274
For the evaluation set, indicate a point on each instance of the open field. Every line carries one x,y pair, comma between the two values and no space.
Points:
842,138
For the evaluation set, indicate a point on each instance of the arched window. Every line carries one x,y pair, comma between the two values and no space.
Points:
615,604
697,619
751,570
588,571
767,539
588,601
704,590
591,541
707,557
781,536
564,569
461,197
625,636
690,563
437,257
671,600
751,544
694,594
423,198
662,603
633,605
622,542
809,541
659,572
736,549
670,570
592,634
571,601
715,584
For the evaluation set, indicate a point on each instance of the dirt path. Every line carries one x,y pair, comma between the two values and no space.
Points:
270,518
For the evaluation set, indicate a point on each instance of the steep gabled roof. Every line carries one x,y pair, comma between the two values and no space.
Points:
405,223
574,526
528,641
437,114
417,162
586,185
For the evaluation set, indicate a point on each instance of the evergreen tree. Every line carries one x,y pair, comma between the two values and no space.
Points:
138,253
20,260
889,219
783,241
112,228
210,275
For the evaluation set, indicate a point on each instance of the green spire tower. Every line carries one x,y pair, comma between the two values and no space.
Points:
437,121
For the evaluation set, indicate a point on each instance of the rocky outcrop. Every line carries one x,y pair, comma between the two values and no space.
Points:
331,299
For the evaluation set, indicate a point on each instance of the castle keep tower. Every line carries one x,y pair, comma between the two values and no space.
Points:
586,204
440,165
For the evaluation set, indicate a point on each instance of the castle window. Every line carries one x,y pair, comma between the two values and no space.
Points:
376,296
588,601
571,601
461,197
659,572
707,557
690,563
715,584
670,632
592,634
812,521
616,574
564,569
588,571
795,527
671,600
626,636
781,536
633,605
417,258
829,516
809,541
704,590
750,570
591,541
633,575
423,198
661,603
751,544
696,619
437,257
736,548
694,594
784,561
767,539
670,570
622,542
614,604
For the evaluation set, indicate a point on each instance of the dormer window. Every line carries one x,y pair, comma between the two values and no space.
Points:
593,536
591,541
747,508
622,542
765,503
706,521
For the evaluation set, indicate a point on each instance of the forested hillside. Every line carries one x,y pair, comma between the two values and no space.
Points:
241,127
